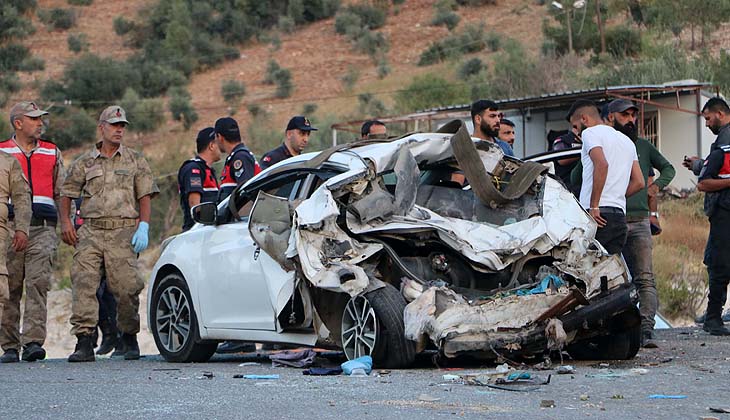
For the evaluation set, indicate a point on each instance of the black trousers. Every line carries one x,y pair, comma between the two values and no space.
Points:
613,235
717,259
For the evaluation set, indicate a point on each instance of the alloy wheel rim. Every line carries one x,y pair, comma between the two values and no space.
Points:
173,319
359,328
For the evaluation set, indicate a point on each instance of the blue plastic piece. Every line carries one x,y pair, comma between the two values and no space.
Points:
365,363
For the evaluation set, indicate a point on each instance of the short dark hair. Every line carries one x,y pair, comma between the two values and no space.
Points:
479,106
716,104
505,121
228,128
580,104
365,129
205,137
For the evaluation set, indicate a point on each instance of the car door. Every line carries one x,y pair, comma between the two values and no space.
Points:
236,292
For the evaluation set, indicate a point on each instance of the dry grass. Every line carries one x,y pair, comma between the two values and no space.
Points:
678,252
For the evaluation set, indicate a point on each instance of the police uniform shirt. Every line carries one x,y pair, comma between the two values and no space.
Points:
195,176
717,166
275,156
240,166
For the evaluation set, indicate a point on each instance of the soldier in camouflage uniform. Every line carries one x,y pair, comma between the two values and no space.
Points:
32,269
13,186
116,184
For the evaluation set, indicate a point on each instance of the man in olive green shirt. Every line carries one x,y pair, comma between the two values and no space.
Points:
622,115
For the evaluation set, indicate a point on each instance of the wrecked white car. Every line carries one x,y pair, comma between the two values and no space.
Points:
387,248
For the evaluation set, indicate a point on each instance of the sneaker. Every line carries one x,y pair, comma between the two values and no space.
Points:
10,356
33,352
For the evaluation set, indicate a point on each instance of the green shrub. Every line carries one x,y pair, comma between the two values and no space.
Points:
471,67
372,43
32,64
53,91
232,92
370,17
272,67
123,26
5,131
428,91
90,79
11,55
58,18
9,84
78,43
283,82
286,24
344,21
470,40
13,20
494,41
370,106
309,109
80,2
71,127
145,115
295,12
383,68
350,78
448,19
181,108
622,41
476,2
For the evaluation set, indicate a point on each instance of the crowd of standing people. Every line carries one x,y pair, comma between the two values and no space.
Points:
111,187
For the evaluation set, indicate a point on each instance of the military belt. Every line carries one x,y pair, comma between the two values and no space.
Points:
108,224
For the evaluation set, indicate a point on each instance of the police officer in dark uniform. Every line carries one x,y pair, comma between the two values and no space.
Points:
241,165
196,180
297,136
563,167
714,180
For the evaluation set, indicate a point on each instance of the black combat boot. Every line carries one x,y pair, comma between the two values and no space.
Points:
131,346
109,337
714,325
10,356
33,352
84,351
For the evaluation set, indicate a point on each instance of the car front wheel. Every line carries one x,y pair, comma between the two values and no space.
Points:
174,323
372,324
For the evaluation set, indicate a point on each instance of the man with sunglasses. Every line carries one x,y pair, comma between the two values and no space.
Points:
485,116
117,186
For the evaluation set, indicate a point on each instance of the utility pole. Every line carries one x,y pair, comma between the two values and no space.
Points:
569,18
600,26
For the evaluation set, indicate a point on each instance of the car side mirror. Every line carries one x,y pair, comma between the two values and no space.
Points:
205,213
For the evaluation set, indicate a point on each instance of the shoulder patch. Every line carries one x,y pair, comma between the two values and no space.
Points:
196,182
195,171
237,164
266,158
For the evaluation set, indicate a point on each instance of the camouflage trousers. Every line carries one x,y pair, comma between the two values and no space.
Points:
110,250
31,269
3,268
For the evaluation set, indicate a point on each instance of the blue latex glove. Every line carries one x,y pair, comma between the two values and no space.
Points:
141,237
365,363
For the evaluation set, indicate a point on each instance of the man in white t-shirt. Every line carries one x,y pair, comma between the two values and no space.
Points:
611,172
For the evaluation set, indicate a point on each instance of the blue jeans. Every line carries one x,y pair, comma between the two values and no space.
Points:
637,253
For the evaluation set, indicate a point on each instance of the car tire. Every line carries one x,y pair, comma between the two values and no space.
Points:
381,325
174,323
621,345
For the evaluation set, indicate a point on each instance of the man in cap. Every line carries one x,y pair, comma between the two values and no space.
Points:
373,129
297,136
507,132
611,172
196,179
117,186
32,268
485,116
622,116
240,165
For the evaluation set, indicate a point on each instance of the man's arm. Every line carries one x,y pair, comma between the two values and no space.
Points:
636,182
193,199
600,172
68,232
20,196
713,184
665,168
58,173
145,208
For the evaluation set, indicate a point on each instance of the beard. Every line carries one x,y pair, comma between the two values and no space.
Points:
489,131
629,129
715,128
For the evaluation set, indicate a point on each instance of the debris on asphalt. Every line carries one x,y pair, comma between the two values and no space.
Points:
547,404
383,372
244,364
565,370
617,397
323,371
667,397
293,358
358,367
206,375
709,418
164,369
451,377
725,410
584,397
640,371
428,398
603,365
240,376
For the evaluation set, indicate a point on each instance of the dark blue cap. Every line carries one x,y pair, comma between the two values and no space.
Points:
300,123
228,128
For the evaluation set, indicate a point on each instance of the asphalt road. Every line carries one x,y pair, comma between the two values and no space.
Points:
689,363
